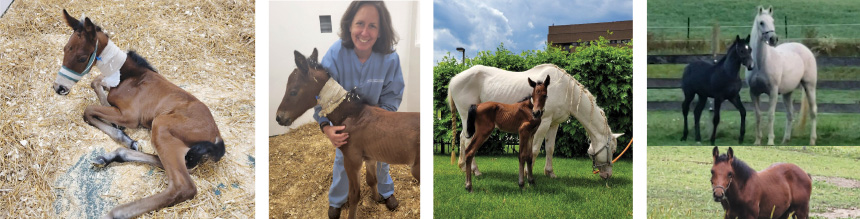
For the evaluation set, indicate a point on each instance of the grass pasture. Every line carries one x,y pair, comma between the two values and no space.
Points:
576,193
679,186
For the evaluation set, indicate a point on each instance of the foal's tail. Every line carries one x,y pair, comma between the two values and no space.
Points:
470,123
210,150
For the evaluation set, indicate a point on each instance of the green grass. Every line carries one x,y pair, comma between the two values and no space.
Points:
674,13
576,193
821,96
679,186
666,128
827,73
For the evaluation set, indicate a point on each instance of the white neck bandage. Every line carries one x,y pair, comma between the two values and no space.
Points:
109,63
331,95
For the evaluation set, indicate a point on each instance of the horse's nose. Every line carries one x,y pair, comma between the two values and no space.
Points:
283,121
61,90
537,114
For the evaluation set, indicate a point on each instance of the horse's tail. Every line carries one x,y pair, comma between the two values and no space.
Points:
453,108
470,123
804,110
211,150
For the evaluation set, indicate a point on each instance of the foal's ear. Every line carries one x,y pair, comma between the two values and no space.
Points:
313,56
737,38
301,61
731,154
89,28
747,40
546,83
71,21
532,83
716,153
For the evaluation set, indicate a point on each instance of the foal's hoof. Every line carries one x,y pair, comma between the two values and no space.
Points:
100,162
531,181
134,146
521,184
469,188
333,212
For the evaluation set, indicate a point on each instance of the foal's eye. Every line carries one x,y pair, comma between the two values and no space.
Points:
82,60
293,93
730,174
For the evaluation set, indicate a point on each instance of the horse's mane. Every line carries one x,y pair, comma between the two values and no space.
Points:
742,171
140,61
583,92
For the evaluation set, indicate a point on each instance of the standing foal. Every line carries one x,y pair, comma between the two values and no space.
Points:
522,117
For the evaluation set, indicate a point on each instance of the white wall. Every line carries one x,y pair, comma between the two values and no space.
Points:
295,26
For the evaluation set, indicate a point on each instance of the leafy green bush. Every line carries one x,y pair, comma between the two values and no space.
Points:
605,70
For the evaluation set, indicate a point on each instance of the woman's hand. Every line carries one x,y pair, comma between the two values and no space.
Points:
337,139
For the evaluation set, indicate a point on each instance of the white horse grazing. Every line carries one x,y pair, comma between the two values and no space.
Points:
780,70
481,84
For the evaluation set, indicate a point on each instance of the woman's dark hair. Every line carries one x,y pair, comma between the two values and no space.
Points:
387,37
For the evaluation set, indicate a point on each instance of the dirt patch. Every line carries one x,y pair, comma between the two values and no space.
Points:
205,47
838,181
300,164
839,213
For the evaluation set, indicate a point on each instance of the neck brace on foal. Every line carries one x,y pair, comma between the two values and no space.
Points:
109,63
331,95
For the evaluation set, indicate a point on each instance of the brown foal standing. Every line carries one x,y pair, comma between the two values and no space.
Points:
375,134
522,117
183,129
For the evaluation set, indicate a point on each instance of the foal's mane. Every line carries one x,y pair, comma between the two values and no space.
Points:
742,171
140,61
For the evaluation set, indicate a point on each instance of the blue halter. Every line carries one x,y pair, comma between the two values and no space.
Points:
75,76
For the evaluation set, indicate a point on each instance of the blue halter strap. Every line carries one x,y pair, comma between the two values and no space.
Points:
75,76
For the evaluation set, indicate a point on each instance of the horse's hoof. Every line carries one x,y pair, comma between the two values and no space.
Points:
100,162
532,181
134,146
550,173
477,173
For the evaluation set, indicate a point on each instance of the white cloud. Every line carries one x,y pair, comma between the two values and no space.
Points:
531,25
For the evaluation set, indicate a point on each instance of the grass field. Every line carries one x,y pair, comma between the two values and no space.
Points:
674,13
666,128
825,73
576,193
679,187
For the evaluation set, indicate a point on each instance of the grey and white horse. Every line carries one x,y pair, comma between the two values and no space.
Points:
780,70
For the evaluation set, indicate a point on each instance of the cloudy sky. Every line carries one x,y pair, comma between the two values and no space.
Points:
479,25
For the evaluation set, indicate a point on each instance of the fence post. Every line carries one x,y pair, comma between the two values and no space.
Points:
688,28
786,26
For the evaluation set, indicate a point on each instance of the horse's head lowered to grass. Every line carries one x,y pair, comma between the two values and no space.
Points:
79,54
303,85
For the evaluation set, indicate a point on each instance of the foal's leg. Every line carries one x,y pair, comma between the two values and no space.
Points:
370,176
740,107
352,164
756,102
809,88
122,155
180,187
481,135
697,114
716,119
102,117
685,108
789,113
550,148
101,89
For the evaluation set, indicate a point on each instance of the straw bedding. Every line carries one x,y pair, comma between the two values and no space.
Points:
205,47
300,164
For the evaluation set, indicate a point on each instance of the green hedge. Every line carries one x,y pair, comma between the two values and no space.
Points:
605,70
